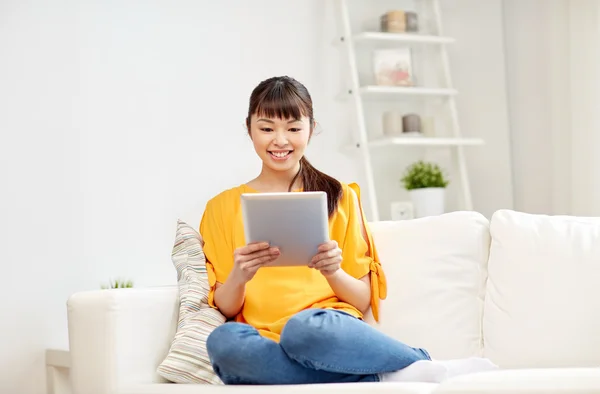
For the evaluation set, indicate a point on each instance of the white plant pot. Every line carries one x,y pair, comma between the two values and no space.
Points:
429,201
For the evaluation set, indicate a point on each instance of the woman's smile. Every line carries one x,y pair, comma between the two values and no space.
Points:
280,155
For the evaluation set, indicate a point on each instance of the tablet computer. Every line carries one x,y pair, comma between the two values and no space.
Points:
296,222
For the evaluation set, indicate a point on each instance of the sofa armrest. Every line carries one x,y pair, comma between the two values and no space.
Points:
119,336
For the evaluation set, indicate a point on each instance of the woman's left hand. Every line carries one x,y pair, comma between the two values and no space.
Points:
328,259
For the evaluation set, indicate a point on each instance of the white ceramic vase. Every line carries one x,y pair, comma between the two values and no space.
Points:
429,201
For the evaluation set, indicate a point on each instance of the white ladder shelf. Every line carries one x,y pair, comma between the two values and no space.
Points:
358,93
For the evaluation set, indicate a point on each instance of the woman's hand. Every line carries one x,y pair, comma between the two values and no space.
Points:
248,259
328,259
229,296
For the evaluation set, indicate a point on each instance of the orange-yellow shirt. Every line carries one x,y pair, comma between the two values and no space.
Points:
277,293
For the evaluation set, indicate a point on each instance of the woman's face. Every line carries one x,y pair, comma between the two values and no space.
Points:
280,143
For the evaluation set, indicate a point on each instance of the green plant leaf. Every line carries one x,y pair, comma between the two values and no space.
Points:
118,284
423,174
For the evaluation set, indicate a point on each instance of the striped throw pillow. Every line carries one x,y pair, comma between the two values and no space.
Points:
187,360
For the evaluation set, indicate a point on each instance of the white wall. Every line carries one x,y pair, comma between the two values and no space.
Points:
537,82
116,119
584,73
479,73
554,97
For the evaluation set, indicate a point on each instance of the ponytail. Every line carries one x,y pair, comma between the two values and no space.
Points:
314,180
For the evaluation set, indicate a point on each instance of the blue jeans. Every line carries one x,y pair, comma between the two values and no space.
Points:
316,346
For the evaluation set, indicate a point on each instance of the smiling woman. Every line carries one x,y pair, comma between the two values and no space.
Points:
299,325
280,123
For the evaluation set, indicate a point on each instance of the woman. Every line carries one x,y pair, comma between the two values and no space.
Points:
298,325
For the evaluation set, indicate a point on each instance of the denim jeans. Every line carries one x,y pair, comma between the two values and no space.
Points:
316,346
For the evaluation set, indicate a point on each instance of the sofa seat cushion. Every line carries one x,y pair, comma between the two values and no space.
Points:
351,388
542,304
524,381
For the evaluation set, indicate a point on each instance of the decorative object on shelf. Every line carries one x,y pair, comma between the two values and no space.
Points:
118,284
393,67
393,22
411,22
426,184
392,123
411,125
395,124
402,210
428,126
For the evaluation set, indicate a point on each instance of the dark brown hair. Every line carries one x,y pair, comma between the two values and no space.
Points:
286,98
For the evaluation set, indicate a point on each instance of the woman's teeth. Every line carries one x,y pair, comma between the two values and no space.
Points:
280,154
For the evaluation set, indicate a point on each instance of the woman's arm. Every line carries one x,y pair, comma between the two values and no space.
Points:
347,288
229,297
356,292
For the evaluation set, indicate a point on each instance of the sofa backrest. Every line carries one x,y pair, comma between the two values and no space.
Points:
436,272
522,290
542,304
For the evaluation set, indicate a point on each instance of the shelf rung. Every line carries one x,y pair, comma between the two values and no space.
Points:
406,91
424,141
402,37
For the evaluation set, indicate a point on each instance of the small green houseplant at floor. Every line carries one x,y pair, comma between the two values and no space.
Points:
118,284
426,185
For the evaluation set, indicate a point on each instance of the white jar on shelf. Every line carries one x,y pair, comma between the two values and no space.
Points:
392,123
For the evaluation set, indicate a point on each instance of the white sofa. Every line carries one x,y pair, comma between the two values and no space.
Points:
522,290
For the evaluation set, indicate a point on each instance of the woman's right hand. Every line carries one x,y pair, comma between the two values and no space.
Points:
248,259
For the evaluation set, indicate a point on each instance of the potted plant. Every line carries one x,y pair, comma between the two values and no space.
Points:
426,184
118,284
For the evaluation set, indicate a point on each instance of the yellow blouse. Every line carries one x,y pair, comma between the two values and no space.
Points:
277,293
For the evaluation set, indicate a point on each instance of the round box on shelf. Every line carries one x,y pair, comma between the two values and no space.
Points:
411,123
393,22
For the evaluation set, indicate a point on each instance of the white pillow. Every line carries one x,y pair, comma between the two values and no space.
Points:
542,306
187,360
436,270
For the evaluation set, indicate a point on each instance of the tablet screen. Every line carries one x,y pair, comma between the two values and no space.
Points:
297,223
